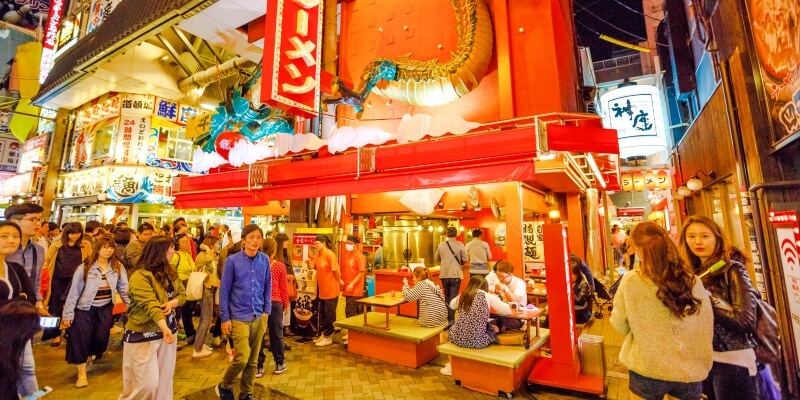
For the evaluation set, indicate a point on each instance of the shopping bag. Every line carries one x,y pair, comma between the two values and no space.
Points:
194,287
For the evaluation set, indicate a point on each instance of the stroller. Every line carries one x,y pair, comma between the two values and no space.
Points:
604,297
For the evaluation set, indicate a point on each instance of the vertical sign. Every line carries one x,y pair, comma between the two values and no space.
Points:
788,238
50,36
292,52
9,154
99,12
533,241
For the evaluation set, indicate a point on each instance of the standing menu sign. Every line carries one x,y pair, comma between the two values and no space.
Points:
786,230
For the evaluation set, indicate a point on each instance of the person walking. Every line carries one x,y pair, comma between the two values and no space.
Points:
88,309
478,254
134,249
432,308
207,263
617,239
245,300
280,301
19,322
149,351
329,282
451,255
666,315
734,372
354,268
183,262
61,261
629,252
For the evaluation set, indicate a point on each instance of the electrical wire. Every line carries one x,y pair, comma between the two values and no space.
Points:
636,11
611,25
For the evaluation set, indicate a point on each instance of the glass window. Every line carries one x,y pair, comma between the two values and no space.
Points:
173,145
103,137
723,199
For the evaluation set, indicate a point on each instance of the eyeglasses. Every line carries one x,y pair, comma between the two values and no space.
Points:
33,220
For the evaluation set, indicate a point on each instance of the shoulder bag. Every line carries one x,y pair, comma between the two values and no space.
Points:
454,253
194,286
767,333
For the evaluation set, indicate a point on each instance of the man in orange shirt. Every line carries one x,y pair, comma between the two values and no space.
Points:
329,282
354,267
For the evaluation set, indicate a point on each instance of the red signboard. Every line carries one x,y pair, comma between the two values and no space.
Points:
50,34
303,238
292,56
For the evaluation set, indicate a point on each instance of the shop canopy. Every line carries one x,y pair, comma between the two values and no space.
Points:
497,155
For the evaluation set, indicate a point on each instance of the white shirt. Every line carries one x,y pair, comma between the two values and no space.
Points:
491,279
517,288
494,304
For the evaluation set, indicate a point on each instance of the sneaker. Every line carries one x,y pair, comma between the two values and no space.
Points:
260,372
216,341
224,394
318,338
82,383
202,353
326,341
281,368
207,347
245,396
447,370
345,337
115,330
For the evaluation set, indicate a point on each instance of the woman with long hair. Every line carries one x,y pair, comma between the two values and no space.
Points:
184,263
19,321
14,281
734,374
280,302
666,316
148,357
61,260
89,306
472,329
432,308
206,262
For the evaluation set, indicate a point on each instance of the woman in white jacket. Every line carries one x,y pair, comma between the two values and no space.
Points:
666,315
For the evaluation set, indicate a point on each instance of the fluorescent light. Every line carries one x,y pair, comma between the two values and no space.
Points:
207,107
596,170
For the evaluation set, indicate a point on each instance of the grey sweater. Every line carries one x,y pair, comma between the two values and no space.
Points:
657,344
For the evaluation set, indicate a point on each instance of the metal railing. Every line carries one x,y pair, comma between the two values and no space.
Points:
617,62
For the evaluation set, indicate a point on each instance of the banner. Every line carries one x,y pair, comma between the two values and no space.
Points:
99,12
292,56
9,154
533,241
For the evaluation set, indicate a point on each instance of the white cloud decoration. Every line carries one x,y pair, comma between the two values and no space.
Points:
347,137
202,161
245,152
285,143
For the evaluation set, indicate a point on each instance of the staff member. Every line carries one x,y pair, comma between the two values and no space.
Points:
329,280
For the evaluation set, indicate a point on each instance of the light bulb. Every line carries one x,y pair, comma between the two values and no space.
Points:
684,191
677,196
695,183
430,229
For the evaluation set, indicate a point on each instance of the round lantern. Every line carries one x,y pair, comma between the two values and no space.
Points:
638,181
627,181
650,180
662,179
225,142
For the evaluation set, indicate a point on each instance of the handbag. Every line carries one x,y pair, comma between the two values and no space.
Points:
292,286
767,333
194,286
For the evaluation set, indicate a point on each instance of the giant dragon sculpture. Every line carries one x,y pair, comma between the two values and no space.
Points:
429,83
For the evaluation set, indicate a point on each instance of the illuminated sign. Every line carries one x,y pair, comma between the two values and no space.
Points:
19,184
9,154
636,112
292,55
99,12
638,180
120,184
50,36
33,151
533,241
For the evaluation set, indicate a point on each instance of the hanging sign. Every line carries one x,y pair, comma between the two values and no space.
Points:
650,180
9,154
533,241
627,181
638,181
292,56
33,151
662,180
137,104
167,109
50,36
99,12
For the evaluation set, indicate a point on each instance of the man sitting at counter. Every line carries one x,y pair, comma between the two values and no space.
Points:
512,290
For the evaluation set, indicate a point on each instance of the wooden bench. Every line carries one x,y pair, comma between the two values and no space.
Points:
405,343
496,369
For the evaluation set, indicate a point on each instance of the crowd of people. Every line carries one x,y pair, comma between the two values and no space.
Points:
689,304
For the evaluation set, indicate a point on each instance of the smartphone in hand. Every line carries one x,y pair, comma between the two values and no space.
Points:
49,322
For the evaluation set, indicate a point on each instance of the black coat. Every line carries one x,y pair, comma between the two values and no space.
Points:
21,287
734,301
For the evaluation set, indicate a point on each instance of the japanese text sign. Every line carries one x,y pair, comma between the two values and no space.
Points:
533,241
292,52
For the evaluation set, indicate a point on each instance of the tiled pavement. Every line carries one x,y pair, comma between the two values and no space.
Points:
327,373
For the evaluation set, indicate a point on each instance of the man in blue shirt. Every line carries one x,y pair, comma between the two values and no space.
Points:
244,302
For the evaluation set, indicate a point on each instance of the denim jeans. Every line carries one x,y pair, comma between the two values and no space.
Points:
351,308
206,317
275,331
450,286
655,389
27,383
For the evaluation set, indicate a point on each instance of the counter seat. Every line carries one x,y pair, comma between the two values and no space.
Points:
508,366
405,343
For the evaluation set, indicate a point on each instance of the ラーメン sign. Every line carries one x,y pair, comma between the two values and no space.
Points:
292,54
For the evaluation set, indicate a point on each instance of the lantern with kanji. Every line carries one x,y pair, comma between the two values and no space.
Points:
627,181
638,181
662,180
650,180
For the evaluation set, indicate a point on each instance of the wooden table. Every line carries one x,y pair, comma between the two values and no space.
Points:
538,295
385,301
528,317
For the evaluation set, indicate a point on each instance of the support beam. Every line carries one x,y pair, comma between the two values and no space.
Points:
189,47
174,54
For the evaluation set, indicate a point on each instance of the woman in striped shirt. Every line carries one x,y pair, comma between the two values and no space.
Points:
89,305
432,308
